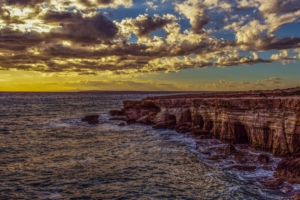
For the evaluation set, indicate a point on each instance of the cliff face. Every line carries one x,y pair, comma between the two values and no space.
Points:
268,124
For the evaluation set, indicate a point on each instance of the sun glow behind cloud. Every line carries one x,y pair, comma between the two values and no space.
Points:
86,46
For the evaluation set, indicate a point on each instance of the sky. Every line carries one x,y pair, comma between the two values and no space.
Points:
149,45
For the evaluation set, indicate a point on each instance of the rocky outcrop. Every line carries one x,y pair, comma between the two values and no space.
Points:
116,112
288,169
266,120
91,119
270,124
263,159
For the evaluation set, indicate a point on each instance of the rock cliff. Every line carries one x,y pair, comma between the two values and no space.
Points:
267,121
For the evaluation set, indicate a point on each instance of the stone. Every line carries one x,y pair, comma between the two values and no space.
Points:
91,119
116,113
131,121
263,159
159,126
118,118
217,157
296,197
170,124
287,188
288,169
198,132
243,167
203,137
122,124
205,152
145,120
182,129
273,184
230,149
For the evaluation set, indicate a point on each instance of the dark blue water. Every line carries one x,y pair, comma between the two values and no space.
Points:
47,153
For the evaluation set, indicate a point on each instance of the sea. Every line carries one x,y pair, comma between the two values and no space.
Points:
46,152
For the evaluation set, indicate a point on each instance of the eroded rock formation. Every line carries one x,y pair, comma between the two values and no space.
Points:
91,119
270,124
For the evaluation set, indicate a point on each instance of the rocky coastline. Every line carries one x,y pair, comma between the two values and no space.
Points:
265,120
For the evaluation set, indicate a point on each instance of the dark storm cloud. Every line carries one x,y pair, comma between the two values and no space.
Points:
83,30
15,40
73,28
274,43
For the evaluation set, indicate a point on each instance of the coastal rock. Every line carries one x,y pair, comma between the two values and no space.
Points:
287,188
131,121
230,149
199,132
266,124
116,113
122,124
91,119
263,159
273,184
296,197
265,120
243,167
118,118
159,126
288,169
145,120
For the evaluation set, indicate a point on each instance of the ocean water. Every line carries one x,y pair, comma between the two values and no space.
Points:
46,152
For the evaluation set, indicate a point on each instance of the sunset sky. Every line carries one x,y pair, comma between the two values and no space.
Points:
186,45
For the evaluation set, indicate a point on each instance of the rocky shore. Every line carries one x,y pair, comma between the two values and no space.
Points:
265,120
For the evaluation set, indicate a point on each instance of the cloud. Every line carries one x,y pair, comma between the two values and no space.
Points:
264,84
196,13
234,59
95,28
283,56
80,4
144,25
74,36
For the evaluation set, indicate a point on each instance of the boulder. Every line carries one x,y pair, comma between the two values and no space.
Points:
116,113
243,167
217,157
203,137
273,184
199,132
170,124
145,120
182,129
131,121
118,118
287,188
91,119
205,152
159,126
288,169
296,197
122,124
263,159
230,149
